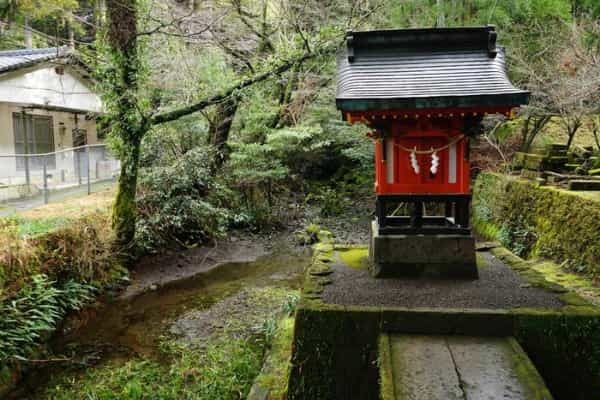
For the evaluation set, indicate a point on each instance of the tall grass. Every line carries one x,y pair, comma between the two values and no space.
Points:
48,267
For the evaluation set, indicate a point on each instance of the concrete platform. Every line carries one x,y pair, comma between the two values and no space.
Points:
421,255
498,287
420,367
344,312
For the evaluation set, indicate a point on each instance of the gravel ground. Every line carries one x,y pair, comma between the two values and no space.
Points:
498,287
239,316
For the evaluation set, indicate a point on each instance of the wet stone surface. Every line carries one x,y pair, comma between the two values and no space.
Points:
461,368
498,287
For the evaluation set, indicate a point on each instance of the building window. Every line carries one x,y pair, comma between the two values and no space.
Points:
34,134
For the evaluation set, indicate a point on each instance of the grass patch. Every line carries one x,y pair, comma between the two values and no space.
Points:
223,371
33,227
53,259
222,366
72,208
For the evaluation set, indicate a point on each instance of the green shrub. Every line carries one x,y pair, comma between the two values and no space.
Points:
259,178
180,204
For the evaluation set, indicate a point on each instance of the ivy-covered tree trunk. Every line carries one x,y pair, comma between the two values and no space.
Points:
124,212
127,122
220,128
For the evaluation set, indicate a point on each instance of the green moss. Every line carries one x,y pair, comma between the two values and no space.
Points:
481,261
565,348
325,236
538,221
275,374
522,366
386,375
581,285
354,257
573,299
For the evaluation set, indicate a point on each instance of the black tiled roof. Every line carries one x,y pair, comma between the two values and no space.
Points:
424,68
15,59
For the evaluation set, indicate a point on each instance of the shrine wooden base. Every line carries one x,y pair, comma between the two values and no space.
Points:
438,255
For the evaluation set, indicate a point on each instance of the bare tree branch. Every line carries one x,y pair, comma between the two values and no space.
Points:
187,110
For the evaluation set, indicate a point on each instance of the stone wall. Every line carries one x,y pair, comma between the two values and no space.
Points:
536,221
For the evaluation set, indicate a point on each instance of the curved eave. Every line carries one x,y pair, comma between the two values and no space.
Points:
509,100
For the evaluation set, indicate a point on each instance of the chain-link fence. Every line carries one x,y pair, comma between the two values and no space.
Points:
26,177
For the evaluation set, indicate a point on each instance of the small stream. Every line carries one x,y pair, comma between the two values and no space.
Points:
126,328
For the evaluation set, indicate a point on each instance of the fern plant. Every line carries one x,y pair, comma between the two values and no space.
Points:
36,311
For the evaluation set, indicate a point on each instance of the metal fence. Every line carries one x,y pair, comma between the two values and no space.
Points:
80,169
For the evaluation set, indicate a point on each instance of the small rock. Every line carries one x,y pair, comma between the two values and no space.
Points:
525,285
153,287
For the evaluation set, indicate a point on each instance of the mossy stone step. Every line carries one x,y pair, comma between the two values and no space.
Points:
456,367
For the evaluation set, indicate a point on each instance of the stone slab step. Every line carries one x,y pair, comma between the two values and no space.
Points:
426,367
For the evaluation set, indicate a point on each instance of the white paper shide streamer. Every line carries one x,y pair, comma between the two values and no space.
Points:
413,161
435,163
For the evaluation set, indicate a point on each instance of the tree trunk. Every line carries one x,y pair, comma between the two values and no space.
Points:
124,209
27,33
530,130
572,128
126,122
441,20
220,128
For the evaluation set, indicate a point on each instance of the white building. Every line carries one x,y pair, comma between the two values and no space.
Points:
47,105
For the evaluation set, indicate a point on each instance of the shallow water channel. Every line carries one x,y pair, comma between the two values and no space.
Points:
135,327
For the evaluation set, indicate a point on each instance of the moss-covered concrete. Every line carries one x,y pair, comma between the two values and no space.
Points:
538,221
335,347
272,382
386,374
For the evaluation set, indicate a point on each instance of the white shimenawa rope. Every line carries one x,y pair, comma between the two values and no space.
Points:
432,150
435,159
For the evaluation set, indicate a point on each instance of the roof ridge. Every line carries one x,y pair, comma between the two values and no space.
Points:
62,50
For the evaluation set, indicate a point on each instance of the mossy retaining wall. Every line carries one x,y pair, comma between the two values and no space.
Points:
538,221
336,347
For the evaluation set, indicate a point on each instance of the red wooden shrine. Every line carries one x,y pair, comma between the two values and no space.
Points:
424,93
407,142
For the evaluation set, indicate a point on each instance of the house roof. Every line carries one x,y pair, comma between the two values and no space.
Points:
424,68
11,60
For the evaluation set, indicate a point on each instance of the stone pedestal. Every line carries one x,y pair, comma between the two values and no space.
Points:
451,256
